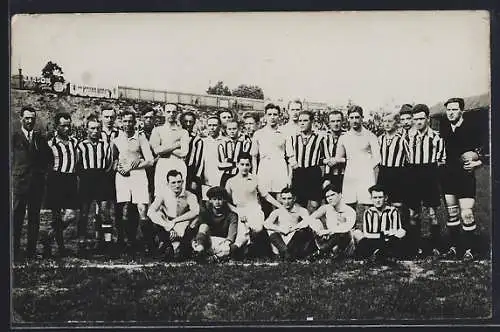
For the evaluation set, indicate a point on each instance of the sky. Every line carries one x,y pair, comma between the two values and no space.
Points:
375,59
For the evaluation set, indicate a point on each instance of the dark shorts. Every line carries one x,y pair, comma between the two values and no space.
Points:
62,191
423,186
393,180
306,184
190,179
95,185
335,179
458,182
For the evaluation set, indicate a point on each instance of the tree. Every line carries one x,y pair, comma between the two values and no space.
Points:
53,72
249,91
219,89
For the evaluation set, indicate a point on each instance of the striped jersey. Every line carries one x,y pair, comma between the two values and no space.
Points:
229,151
64,154
376,222
310,151
94,155
194,157
108,137
392,150
426,149
331,140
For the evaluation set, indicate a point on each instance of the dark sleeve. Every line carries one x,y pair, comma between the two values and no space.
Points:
204,217
233,226
46,153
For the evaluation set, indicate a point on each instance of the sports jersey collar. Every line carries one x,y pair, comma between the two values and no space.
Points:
386,208
87,140
124,135
58,139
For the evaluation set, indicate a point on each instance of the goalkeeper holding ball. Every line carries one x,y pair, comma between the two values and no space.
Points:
464,149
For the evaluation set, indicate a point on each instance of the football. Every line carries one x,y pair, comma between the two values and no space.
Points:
469,156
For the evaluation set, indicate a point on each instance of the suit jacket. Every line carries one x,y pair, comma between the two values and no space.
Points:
29,161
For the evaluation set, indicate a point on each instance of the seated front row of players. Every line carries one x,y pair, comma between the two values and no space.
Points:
215,231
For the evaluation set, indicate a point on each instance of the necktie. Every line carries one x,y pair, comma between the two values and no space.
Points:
30,137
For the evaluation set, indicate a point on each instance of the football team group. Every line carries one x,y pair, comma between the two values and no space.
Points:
281,191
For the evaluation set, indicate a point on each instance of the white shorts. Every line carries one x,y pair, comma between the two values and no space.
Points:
133,188
163,166
272,175
255,222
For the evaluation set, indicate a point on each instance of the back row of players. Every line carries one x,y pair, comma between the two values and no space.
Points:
257,192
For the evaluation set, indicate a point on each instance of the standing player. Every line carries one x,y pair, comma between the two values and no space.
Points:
272,148
218,227
62,181
229,151
309,150
148,120
359,150
108,118
251,125
194,157
133,154
30,158
382,230
393,149
334,172
243,190
334,235
225,116
176,211
95,160
171,143
289,230
426,152
464,147
291,128
406,118
211,172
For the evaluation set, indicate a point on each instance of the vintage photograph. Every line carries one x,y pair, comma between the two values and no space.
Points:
257,167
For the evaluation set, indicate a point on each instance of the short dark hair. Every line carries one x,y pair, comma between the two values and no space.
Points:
421,108
217,192
336,112
406,109
251,115
182,118
308,113
107,107
214,117
460,101
148,109
26,109
225,111
244,155
92,118
173,173
377,187
61,115
355,109
287,190
271,106
330,187
127,112
297,101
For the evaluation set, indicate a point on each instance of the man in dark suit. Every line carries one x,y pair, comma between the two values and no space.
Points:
30,153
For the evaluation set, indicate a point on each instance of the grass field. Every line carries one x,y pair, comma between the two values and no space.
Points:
71,290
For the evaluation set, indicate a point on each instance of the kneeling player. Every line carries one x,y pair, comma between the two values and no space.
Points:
176,210
333,237
289,230
243,191
218,227
382,231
